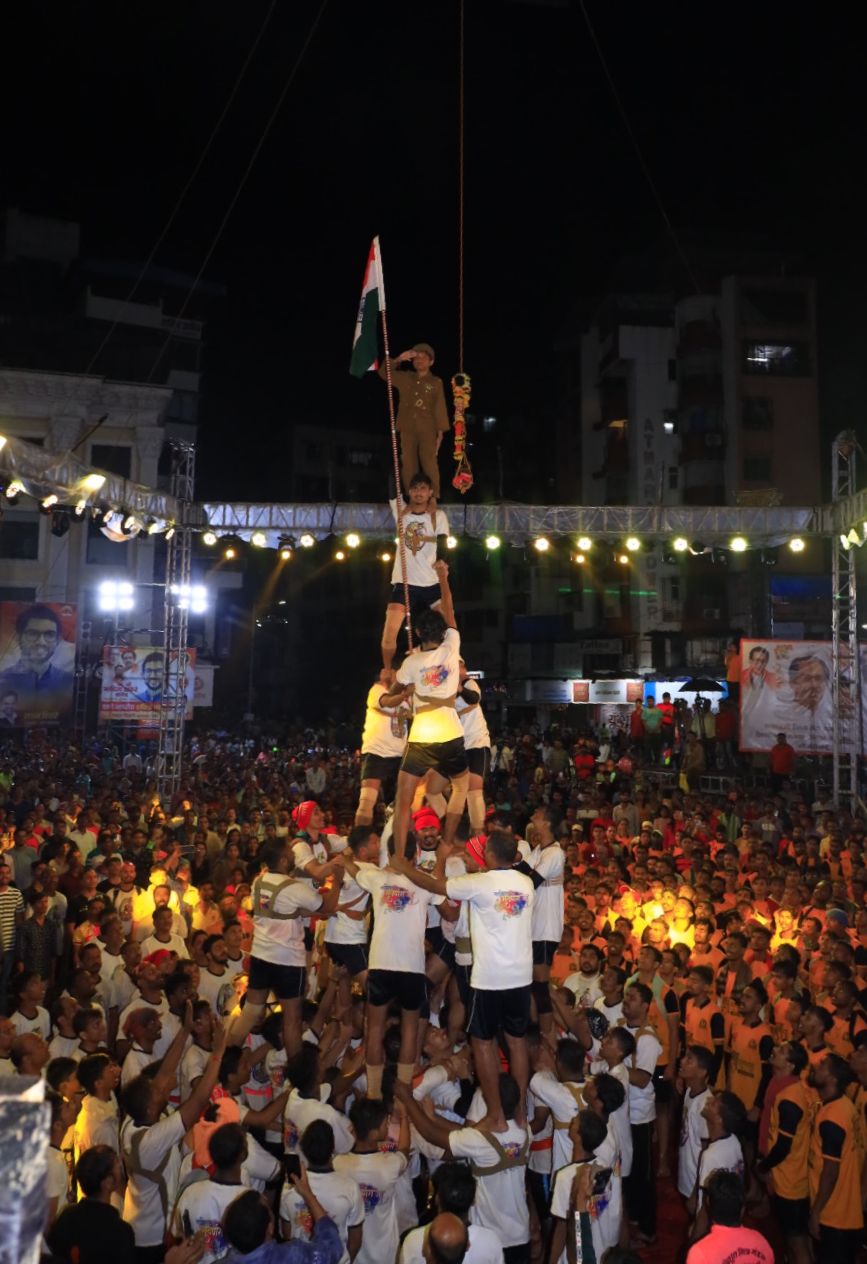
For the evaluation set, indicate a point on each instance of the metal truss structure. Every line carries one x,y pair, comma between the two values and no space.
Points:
845,663
517,524
179,552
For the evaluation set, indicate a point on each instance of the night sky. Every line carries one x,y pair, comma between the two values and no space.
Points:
751,124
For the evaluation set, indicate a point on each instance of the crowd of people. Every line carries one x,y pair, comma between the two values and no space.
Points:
422,1004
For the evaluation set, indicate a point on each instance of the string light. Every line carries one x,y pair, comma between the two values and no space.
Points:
580,559
623,559
340,556
385,557
230,554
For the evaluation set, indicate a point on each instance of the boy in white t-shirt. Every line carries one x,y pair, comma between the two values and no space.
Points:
338,1193
377,1173
382,745
430,678
423,523
696,1067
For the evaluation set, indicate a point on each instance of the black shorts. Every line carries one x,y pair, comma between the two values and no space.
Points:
420,598
446,953
490,1011
434,937
465,992
353,957
479,761
286,982
792,1215
447,758
543,951
663,1090
386,986
379,767
308,938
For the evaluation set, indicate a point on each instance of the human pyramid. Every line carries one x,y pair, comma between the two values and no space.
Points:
450,1035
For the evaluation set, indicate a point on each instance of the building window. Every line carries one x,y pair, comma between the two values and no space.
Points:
786,359
542,656
757,469
113,458
17,594
673,478
757,413
19,535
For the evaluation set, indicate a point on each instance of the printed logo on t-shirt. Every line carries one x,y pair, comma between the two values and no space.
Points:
303,1222
510,903
372,1197
512,1149
290,1135
397,898
433,677
215,1241
414,536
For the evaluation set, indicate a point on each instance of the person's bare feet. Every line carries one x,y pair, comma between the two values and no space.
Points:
492,1123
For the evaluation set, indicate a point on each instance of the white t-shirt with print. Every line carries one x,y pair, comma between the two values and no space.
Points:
564,1102
40,1023
642,1101
376,1175
300,1112
435,674
281,940
399,920
420,531
379,737
142,1205
338,1193
305,850
472,718
206,1202
561,1199
341,928
501,1199
500,926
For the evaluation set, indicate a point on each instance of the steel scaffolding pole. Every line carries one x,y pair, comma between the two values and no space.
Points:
179,552
845,666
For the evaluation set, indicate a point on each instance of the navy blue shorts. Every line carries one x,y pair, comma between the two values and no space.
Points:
419,598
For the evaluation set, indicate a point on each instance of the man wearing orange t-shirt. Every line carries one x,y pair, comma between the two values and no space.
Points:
782,757
834,1166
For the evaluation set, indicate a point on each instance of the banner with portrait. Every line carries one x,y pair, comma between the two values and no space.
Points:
132,684
37,662
786,688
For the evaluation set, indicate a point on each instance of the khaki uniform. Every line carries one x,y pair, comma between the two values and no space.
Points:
421,417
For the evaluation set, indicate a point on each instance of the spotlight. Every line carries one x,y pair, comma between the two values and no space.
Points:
853,537
170,533
353,540
796,544
340,556
580,559
306,541
49,501
541,545
451,542
192,597
668,427
80,508
623,559
93,482
230,554
15,488
115,595
155,527
492,542
209,538
285,553
585,544
259,539
844,539
738,544
633,544
680,545
385,557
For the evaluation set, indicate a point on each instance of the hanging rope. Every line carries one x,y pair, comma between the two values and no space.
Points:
463,477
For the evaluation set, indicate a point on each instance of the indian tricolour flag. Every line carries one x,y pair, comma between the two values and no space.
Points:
364,344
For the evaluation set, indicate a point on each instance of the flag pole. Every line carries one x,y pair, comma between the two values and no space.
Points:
401,540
